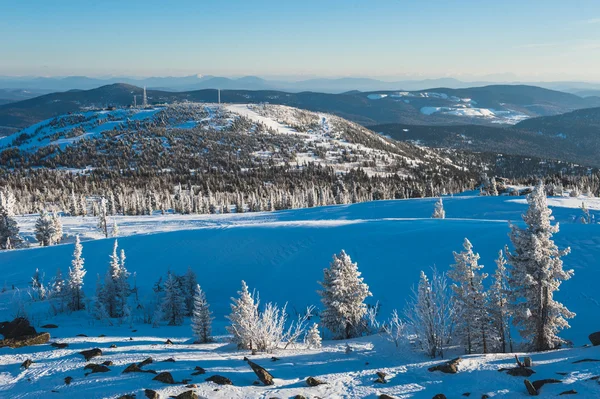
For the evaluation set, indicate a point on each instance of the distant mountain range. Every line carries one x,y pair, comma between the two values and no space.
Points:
489,105
323,85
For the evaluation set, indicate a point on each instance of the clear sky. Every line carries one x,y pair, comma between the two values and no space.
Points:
467,39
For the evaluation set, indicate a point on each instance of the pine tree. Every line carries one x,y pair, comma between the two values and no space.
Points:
73,204
343,296
536,272
471,300
313,337
58,228
38,290
9,231
57,288
44,229
243,318
99,310
498,307
173,306
102,217
493,187
116,287
115,228
439,212
76,275
201,317
189,284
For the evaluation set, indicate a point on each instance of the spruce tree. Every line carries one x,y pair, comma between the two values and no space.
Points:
44,229
243,318
498,307
173,306
313,337
201,317
343,296
536,273
471,300
9,231
76,275
439,212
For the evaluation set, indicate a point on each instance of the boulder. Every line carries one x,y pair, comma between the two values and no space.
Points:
27,363
313,382
570,392
595,338
198,370
81,335
112,346
586,361
17,328
126,396
299,397
26,340
384,396
107,363
96,368
135,368
519,371
381,378
263,375
439,396
165,377
220,380
527,362
59,345
49,326
150,394
186,395
449,367
91,353
168,342
530,388
68,380
169,360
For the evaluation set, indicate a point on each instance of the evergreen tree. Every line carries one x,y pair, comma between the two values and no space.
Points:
173,306
189,284
243,318
76,275
439,212
201,317
536,272
498,309
115,228
58,228
343,296
9,231
102,217
313,337
116,287
471,300
44,229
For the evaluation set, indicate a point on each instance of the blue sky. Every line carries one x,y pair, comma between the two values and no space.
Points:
468,39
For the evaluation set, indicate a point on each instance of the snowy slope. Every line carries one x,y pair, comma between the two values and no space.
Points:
282,254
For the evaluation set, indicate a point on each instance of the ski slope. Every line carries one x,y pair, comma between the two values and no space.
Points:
282,254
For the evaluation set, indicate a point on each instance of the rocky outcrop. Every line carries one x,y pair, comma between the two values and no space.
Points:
450,367
59,345
263,375
26,340
595,338
27,363
150,394
165,377
220,380
313,382
186,395
96,368
198,370
17,328
91,353
381,378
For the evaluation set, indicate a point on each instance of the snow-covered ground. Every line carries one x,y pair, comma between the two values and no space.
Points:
282,255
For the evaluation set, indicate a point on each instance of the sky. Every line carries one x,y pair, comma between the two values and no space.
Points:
387,39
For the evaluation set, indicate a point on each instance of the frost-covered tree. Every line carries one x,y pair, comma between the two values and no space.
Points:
173,306
586,218
57,287
73,204
189,284
7,202
472,325
343,296
58,228
76,275
243,318
116,286
38,289
498,307
44,229
430,313
313,337
9,231
99,310
439,212
115,228
102,217
493,187
535,274
201,317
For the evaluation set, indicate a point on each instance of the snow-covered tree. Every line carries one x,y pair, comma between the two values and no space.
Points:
7,202
9,231
498,307
73,204
44,229
99,310
430,313
38,290
58,228
343,296
57,287
173,306
102,217
243,318
201,317
313,337
535,273
439,212
116,286
395,329
472,326
115,228
493,187
586,218
189,285
76,275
